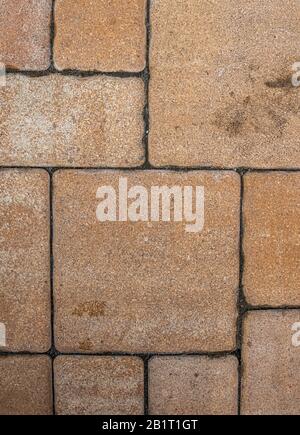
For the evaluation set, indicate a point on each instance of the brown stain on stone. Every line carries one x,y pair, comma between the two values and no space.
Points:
280,83
86,345
91,309
265,112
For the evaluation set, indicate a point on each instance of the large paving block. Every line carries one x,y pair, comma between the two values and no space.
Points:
25,385
145,286
25,307
105,35
25,34
271,361
220,90
99,385
272,238
193,386
70,121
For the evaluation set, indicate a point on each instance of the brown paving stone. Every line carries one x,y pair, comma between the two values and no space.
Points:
271,376
99,385
146,286
105,35
220,89
70,121
272,239
193,386
24,259
25,34
25,385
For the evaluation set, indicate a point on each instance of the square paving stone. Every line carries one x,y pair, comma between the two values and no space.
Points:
221,90
145,286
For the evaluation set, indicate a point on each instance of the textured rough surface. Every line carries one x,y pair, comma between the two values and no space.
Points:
272,239
105,35
193,386
25,385
24,259
145,286
70,121
271,376
25,34
99,385
220,89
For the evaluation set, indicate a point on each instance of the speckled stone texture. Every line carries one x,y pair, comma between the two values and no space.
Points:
25,34
193,386
25,260
105,35
99,385
272,239
220,88
145,286
271,376
25,385
69,121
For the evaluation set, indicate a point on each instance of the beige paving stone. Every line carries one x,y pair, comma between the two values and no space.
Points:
193,386
99,385
272,238
105,35
220,88
69,121
25,34
25,385
271,377
25,307
145,286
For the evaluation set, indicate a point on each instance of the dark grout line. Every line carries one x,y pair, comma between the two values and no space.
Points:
75,73
146,385
147,84
52,351
145,167
241,296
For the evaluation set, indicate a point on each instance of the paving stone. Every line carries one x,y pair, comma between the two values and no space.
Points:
99,385
25,307
145,286
105,35
70,121
193,386
25,385
25,34
271,376
272,239
220,88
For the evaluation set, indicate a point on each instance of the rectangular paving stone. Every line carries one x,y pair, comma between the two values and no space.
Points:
193,386
220,89
271,376
99,385
25,307
70,121
272,238
145,286
105,35
25,385
25,34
